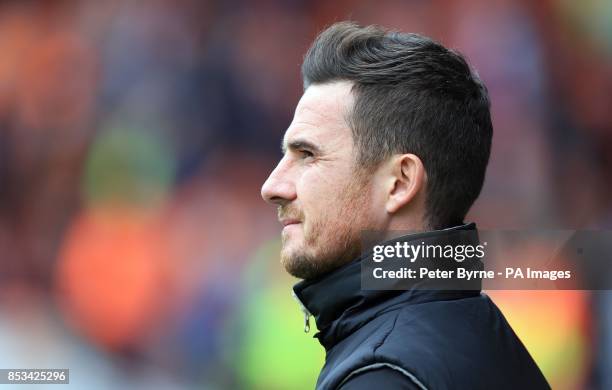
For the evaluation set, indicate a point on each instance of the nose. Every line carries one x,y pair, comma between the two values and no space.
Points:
279,188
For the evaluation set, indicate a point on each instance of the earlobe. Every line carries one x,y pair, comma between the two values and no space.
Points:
408,179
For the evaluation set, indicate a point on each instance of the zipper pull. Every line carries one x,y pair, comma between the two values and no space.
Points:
306,322
305,311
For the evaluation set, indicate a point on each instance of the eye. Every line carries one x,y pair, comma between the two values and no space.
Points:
306,153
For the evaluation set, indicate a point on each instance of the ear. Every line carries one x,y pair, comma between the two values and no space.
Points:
408,178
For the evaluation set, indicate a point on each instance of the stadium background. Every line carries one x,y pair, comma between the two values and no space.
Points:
134,137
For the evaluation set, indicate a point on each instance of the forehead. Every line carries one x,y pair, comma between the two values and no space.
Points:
321,113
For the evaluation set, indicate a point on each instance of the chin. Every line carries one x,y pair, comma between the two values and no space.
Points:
287,254
298,263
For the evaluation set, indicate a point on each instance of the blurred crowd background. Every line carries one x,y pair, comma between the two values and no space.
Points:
135,135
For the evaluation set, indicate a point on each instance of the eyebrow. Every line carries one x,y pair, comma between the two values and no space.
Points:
298,144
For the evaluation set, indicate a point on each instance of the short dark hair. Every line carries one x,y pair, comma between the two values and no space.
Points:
412,95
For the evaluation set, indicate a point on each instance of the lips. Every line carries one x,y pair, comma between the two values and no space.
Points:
289,221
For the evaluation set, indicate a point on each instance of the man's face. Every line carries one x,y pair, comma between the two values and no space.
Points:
323,204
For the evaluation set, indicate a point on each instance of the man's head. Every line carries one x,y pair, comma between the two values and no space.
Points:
393,132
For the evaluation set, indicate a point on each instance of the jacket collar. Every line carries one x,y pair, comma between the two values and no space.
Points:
340,306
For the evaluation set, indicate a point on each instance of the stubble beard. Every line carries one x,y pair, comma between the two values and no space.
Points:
329,243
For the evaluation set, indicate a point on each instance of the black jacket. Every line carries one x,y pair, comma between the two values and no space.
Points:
415,339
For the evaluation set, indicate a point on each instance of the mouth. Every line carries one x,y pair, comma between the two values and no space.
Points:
289,221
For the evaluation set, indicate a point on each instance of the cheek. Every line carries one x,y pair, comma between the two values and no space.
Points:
323,197
329,207
315,191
